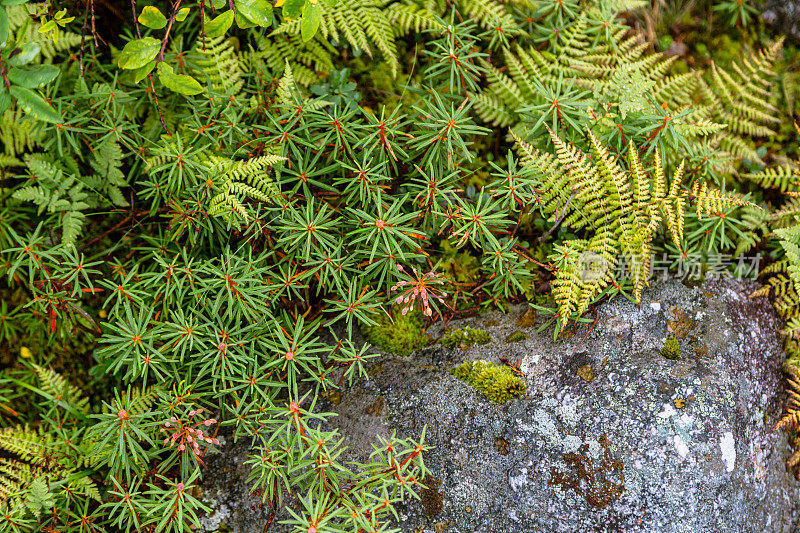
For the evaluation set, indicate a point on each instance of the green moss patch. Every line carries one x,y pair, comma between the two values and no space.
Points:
516,337
401,334
466,337
497,382
671,349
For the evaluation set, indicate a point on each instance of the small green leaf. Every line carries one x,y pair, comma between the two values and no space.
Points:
34,76
220,24
180,83
3,26
181,15
259,12
141,73
12,2
243,22
50,25
312,16
293,9
33,104
138,53
28,52
219,4
153,18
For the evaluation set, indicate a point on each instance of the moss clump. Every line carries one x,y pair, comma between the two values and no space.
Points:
498,383
401,334
671,350
516,337
466,337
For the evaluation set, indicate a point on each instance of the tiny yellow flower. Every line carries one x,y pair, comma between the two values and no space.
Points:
25,352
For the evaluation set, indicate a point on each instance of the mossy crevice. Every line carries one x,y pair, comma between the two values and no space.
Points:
466,337
671,349
497,382
400,334
516,337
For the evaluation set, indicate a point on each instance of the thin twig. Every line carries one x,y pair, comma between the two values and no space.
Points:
160,57
83,37
560,217
149,76
3,73
203,22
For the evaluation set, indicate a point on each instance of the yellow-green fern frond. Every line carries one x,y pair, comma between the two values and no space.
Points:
711,201
57,386
362,23
237,180
309,60
620,210
741,98
18,134
407,16
217,59
784,178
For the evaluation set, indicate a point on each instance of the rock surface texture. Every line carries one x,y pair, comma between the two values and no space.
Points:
611,435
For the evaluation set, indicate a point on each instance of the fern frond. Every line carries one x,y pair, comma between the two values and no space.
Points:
309,60
360,22
249,179
58,387
713,201
783,178
408,16
18,133
24,442
218,60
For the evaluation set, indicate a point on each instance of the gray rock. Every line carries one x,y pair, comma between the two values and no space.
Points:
649,444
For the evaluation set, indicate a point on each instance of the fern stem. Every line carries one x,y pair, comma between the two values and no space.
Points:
169,28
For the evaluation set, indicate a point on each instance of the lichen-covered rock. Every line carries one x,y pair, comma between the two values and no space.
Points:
647,444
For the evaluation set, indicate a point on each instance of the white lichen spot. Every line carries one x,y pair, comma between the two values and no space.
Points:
550,402
518,481
655,306
595,450
728,447
572,444
680,446
545,425
568,411
668,412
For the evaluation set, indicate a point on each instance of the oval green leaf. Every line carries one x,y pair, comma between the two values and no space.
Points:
293,9
141,73
34,76
138,53
4,32
180,83
27,53
153,18
259,12
181,15
220,24
312,16
34,105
